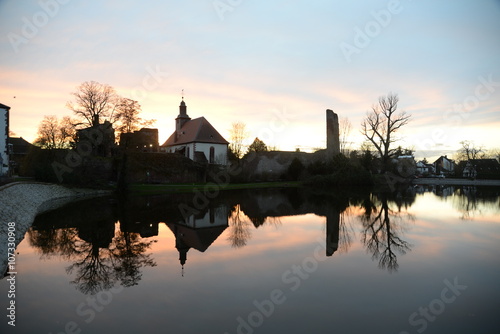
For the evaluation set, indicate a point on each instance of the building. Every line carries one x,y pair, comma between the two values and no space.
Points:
481,168
144,140
19,149
99,139
424,168
4,139
445,166
196,139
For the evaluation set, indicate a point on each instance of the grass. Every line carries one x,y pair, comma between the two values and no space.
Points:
150,189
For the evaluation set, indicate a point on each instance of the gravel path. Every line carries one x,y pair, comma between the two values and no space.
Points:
21,202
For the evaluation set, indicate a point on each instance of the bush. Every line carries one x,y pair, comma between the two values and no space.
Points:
294,170
340,171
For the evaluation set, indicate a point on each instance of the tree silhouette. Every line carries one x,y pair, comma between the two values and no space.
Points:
381,124
54,133
94,101
127,117
257,146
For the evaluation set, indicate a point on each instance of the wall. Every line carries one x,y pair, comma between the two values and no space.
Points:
220,153
4,135
162,168
269,166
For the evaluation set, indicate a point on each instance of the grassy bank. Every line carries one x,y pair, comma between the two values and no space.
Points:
154,189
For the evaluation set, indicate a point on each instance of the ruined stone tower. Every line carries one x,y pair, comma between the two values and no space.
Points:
332,133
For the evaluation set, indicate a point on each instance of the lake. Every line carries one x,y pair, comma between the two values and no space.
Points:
291,260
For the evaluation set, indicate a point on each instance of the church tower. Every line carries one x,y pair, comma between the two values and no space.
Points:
182,118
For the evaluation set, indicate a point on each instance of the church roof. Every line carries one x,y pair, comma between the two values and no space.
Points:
196,130
200,238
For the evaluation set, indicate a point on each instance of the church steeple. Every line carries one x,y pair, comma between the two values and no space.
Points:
183,116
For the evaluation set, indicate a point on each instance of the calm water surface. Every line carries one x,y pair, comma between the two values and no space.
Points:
264,261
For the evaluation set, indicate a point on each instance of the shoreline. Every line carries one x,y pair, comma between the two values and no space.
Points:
20,202
456,182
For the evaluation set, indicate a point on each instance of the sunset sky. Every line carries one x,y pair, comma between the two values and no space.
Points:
275,65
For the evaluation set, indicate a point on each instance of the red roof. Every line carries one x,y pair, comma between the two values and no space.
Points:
196,130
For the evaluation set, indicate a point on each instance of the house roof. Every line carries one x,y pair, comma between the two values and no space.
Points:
20,145
3,106
196,130
486,164
441,158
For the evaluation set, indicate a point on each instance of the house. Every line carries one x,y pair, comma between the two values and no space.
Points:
424,168
19,149
4,139
481,168
196,139
144,140
443,165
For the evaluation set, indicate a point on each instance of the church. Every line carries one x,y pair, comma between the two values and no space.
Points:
196,139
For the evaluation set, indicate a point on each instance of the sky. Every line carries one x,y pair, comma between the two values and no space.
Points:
274,65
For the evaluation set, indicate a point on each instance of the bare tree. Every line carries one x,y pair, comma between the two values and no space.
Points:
237,135
494,154
127,117
54,133
345,127
381,124
470,151
94,101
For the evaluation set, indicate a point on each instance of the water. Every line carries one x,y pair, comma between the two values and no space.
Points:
264,261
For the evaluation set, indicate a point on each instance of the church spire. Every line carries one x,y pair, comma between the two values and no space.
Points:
183,116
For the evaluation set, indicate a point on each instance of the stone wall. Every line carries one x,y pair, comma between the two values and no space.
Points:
163,168
272,166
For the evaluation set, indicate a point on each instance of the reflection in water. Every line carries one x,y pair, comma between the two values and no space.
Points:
108,240
382,230
240,231
470,201
102,253
198,231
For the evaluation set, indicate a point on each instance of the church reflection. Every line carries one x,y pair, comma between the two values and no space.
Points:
198,231
108,241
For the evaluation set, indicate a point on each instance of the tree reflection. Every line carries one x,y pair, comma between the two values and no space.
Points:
93,268
345,232
382,227
239,227
471,201
129,250
102,256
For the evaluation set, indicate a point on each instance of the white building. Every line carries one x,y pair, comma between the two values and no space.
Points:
196,139
4,139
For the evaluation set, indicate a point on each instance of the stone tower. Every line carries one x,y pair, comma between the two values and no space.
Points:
332,133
